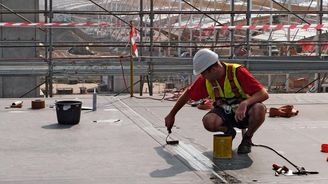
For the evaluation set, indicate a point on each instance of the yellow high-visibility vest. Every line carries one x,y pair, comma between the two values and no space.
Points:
232,93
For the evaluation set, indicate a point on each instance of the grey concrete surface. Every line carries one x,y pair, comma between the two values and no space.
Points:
124,142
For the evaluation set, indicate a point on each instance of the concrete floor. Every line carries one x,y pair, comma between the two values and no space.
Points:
124,142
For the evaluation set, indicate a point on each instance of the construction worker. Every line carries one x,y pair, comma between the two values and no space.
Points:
237,97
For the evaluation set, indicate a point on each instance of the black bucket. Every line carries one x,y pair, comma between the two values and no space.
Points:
68,112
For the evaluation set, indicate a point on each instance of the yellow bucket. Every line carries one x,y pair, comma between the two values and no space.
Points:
222,146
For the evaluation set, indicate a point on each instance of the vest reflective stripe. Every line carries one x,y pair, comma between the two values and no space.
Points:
230,92
232,83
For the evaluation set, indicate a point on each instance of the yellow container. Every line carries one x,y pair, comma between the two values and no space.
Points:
222,146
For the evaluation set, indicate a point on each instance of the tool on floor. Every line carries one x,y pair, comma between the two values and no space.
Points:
300,170
279,169
172,142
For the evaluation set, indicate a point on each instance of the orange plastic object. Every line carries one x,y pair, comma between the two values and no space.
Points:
324,148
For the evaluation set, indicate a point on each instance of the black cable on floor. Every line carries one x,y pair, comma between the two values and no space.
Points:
264,146
300,170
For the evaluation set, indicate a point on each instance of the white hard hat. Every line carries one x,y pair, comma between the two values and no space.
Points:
203,59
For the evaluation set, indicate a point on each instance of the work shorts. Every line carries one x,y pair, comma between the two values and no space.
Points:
229,118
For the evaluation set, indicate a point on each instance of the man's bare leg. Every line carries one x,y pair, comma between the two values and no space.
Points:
256,118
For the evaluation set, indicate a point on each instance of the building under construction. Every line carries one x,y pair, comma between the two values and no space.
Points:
46,42
106,73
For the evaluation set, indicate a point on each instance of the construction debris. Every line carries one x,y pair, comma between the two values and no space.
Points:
324,148
17,104
285,111
38,104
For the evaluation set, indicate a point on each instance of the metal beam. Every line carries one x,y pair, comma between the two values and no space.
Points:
119,13
162,66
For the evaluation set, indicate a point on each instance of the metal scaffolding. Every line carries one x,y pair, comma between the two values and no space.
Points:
170,33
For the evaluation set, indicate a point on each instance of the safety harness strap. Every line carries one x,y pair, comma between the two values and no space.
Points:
216,89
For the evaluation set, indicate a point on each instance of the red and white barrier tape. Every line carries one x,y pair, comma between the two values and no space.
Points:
54,24
225,27
277,27
263,27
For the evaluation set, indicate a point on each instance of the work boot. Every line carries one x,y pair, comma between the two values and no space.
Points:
245,145
231,131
